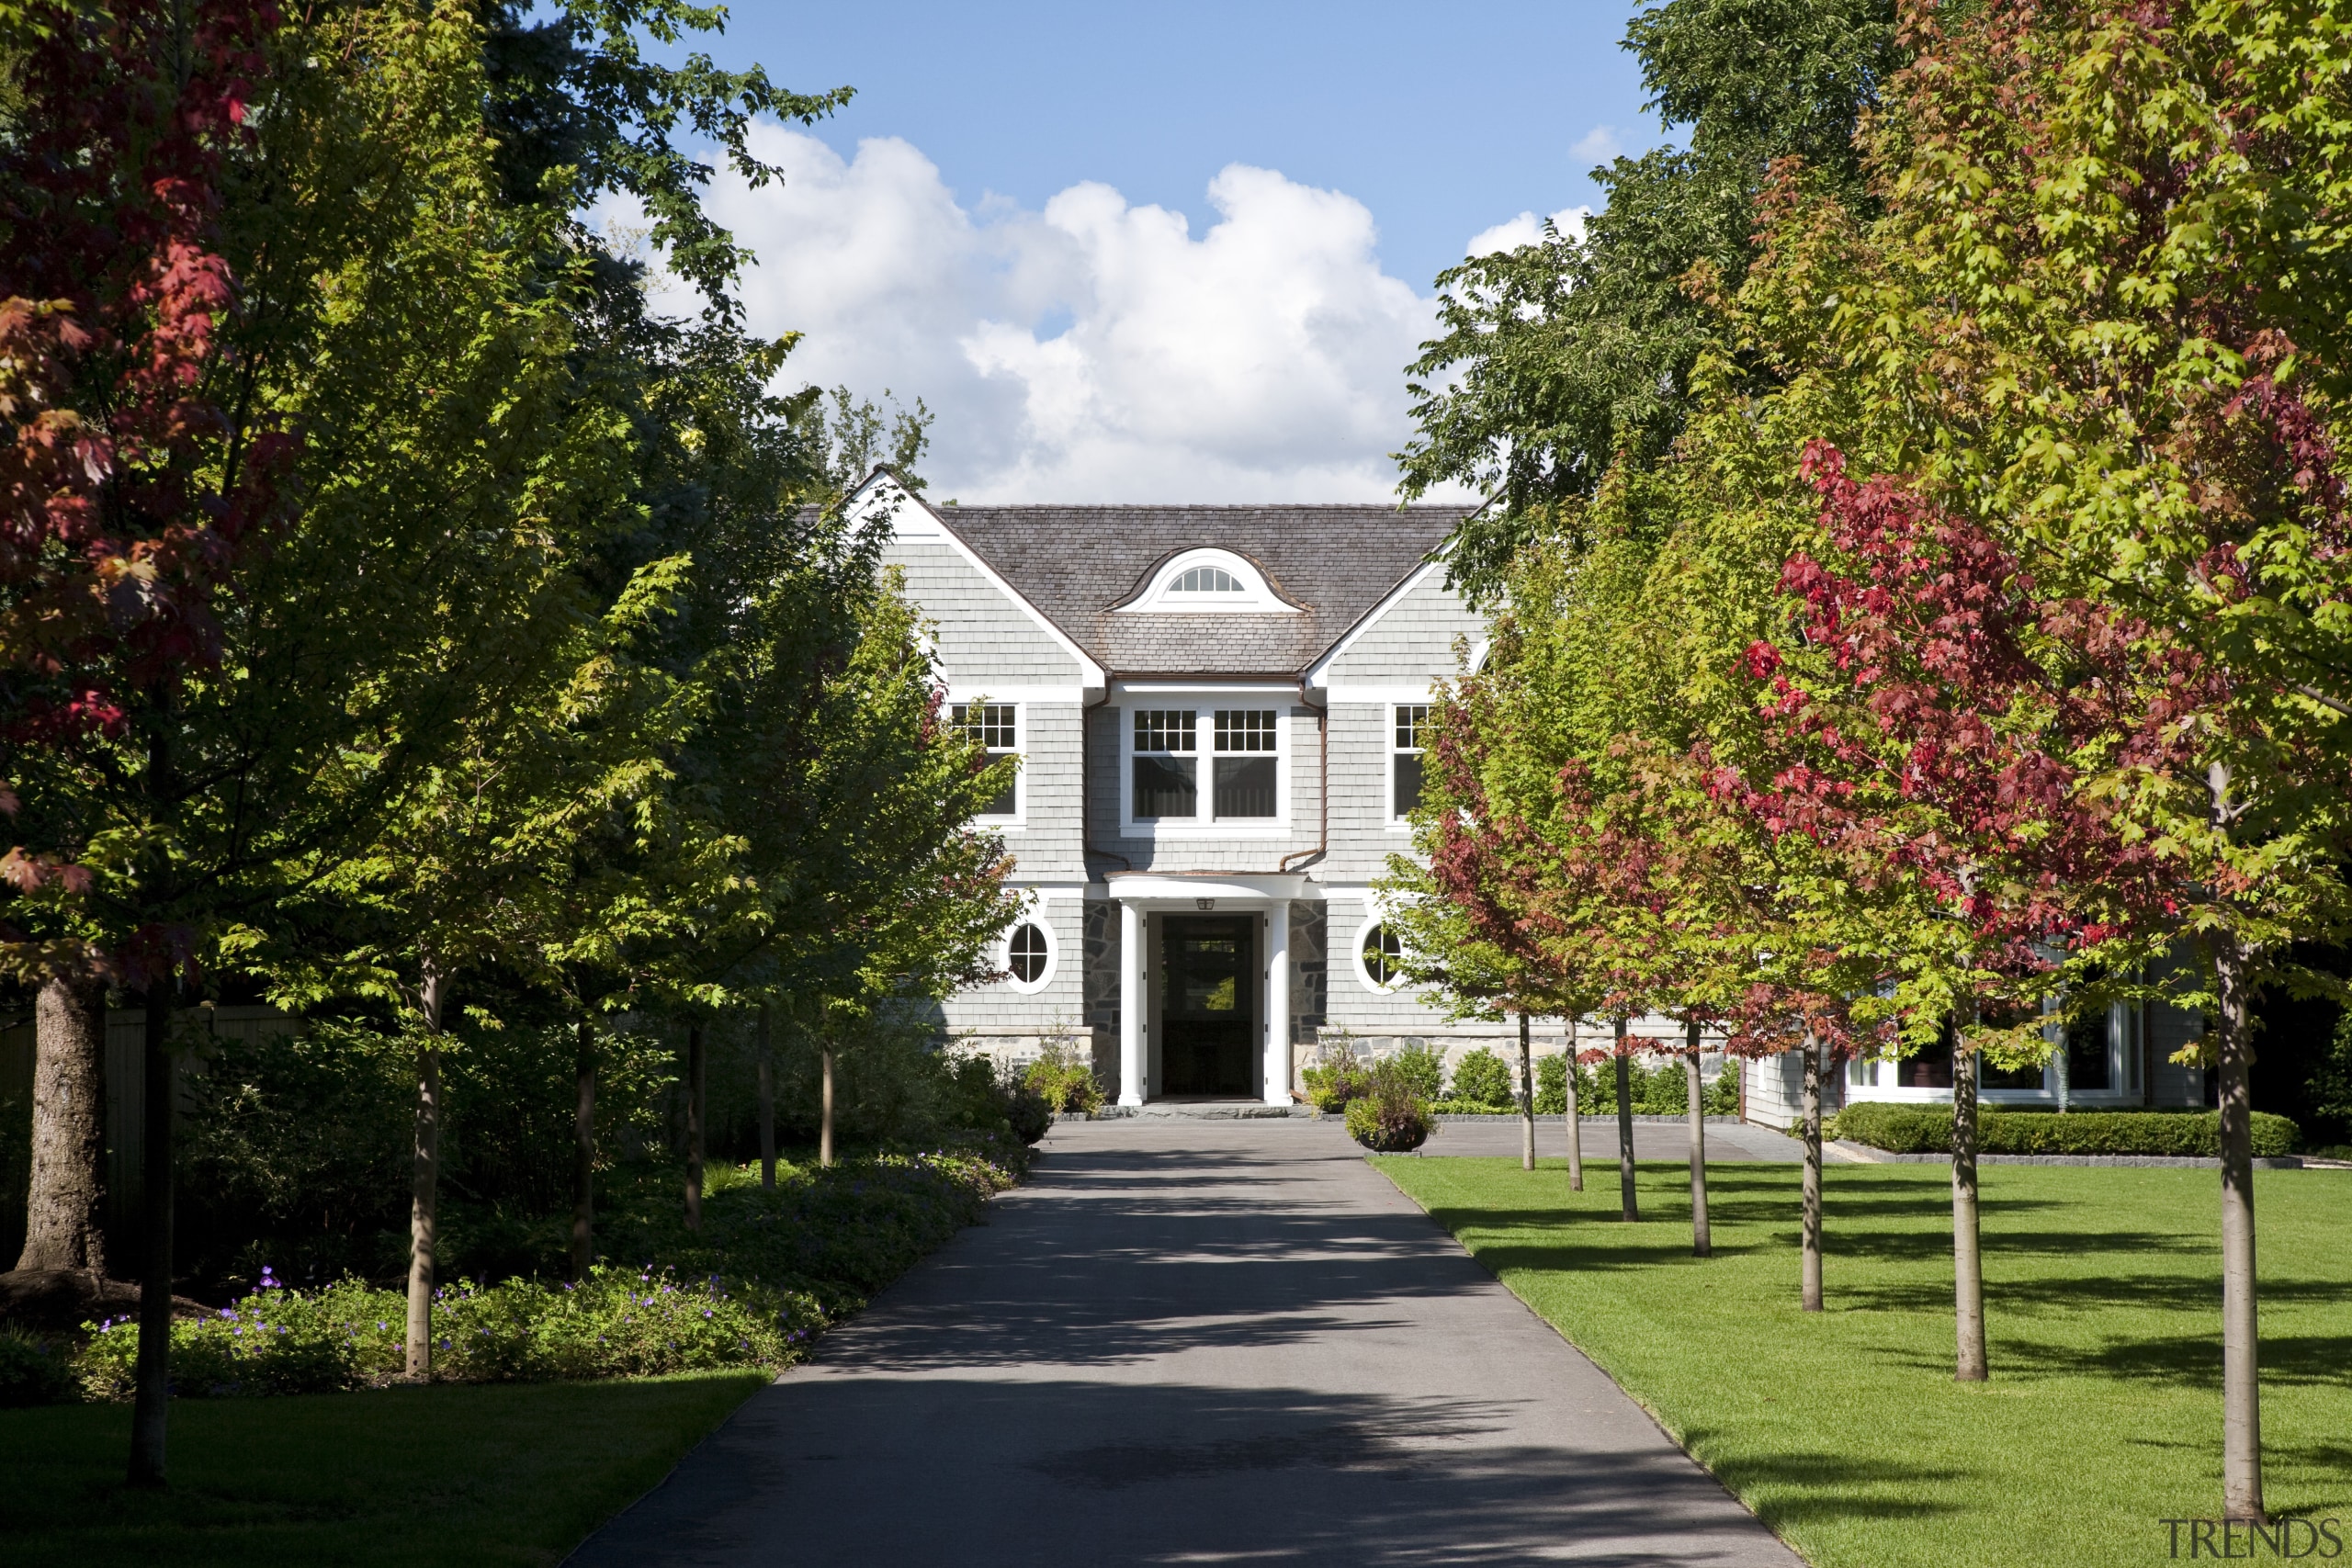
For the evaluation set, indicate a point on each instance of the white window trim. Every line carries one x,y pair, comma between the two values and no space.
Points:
1372,918
1159,596
1033,916
1019,817
2121,1069
1204,707
1394,822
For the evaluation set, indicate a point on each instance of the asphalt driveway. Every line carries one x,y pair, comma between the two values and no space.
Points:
1194,1341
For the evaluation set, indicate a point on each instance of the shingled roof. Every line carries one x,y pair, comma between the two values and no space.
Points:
1076,563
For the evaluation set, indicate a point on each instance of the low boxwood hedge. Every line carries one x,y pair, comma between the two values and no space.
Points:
1927,1129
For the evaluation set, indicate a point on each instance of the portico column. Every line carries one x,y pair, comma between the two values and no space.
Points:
1278,1003
1131,1004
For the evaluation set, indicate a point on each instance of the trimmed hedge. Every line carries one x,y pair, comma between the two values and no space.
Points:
1927,1129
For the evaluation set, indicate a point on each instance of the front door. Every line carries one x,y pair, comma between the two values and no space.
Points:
1208,1004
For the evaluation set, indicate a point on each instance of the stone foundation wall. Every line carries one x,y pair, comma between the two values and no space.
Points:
1012,1051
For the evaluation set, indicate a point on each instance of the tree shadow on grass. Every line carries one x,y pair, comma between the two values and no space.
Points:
2186,1360
2091,1292
1808,1488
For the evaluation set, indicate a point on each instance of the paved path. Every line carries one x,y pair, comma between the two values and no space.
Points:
1192,1342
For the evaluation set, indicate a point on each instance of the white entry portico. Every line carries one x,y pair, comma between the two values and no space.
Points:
1149,1010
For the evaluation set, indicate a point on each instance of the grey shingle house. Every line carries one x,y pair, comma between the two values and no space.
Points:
1217,713
1216,710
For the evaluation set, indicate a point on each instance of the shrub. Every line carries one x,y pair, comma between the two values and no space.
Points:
1334,1086
33,1370
1481,1081
1419,1067
1063,1080
1552,1086
1027,1112
1659,1090
1927,1129
1392,1116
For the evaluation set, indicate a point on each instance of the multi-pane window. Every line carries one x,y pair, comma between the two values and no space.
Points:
1205,580
1243,756
1405,758
1026,953
1166,780
1245,768
1384,956
997,727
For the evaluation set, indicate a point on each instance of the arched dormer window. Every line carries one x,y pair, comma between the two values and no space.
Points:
1208,581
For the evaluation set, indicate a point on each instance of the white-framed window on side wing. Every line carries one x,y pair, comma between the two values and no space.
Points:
997,727
1408,731
1164,782
1247,780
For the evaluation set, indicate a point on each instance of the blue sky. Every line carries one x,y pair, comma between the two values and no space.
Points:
1442,119
1158,253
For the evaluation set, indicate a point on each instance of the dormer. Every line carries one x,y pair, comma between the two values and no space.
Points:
1208,581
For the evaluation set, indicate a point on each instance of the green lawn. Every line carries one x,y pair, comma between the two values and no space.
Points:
1844,1430
499,1474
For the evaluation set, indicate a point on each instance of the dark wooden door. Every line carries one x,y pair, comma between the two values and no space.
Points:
1208,1004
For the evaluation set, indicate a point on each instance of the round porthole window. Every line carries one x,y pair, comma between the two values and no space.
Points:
1381,957
1029,955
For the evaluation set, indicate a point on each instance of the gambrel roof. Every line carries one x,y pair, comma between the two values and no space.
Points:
1077,564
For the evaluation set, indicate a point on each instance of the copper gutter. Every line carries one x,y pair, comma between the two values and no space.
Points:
1323,788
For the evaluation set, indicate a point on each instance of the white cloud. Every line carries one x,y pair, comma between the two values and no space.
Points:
1597,145
1094,350
1525,230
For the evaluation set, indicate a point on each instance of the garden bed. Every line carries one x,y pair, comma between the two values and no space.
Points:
767,1273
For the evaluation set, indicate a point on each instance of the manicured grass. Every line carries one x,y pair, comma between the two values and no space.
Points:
504,1473
1844,1430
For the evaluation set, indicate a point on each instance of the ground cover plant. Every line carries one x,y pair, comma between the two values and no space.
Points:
434,1476
1845,1431
766,1273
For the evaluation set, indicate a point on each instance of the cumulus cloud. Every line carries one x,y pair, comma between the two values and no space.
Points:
1597,145
1092,350
1525,230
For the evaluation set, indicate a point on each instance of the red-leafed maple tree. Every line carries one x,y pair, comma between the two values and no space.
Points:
1941,731
126,494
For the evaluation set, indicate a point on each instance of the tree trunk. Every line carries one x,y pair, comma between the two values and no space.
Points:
1813,1052
1967,1258
2241,1384
425,1180
1574,1118
152,1402
65,1206
1625,1129
825,1117
695,1060
1699,1243
767,1103
583,1162
1526,1098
